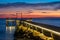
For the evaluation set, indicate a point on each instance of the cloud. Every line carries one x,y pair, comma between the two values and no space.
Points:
31,10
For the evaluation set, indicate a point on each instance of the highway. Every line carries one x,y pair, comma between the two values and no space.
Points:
49,30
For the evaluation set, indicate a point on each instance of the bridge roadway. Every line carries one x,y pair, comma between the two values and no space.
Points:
53,30
46,27
49,30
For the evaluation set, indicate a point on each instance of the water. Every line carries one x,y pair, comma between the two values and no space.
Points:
2,29
50,21
7,33
10,33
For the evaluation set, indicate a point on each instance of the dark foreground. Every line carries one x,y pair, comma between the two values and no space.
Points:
22,35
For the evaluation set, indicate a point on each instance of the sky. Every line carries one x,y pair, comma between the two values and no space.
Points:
27,1
11,11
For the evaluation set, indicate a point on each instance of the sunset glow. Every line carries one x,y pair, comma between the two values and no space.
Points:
27,14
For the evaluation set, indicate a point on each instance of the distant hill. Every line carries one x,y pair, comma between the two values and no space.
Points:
40,6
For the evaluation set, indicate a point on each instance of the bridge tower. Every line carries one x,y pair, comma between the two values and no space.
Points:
10,22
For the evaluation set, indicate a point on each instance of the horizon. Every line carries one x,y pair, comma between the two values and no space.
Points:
31,11
34,14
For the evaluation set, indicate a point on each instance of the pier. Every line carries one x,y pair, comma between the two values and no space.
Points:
34,30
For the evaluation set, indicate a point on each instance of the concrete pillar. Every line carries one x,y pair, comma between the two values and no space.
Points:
42,31
52,35
17,22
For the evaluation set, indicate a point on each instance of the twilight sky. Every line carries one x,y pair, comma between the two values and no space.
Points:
29,12
28,1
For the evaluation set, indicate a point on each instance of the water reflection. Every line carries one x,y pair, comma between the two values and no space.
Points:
10,33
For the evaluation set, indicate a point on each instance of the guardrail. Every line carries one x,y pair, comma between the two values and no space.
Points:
49,30
52,32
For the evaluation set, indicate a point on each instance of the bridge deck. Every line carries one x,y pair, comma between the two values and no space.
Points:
55,28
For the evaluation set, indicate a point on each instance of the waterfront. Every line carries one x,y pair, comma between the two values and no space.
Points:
49,21
7,33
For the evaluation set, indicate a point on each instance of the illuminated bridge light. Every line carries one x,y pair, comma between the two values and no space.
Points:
49,30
